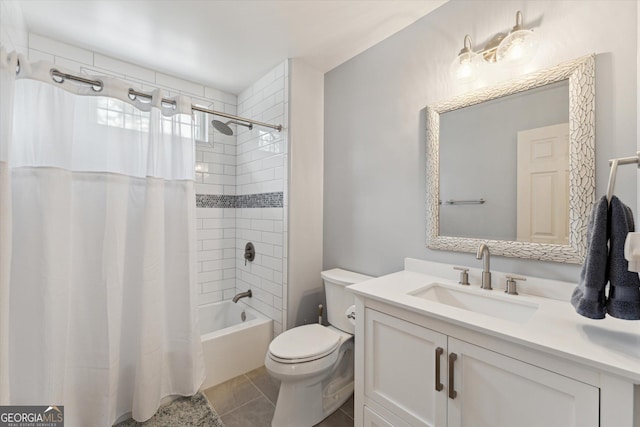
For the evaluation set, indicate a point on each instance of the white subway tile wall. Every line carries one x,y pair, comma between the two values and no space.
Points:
261,168
215,158
216,254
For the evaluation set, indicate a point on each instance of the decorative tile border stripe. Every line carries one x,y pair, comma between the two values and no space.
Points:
215,201
262,200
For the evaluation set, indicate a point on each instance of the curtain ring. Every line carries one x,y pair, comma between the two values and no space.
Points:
168,104
97,87
56,75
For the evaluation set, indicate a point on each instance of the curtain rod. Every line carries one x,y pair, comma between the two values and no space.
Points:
97,85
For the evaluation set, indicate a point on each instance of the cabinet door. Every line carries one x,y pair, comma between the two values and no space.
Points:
400,369
493,390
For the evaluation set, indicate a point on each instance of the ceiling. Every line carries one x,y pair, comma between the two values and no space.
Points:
225,44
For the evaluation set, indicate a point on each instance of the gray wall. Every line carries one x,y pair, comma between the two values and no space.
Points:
374,177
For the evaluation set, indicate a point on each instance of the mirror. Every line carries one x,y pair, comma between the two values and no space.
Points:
513,166
504,167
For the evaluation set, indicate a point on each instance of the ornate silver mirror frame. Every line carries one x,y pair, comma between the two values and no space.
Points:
581,75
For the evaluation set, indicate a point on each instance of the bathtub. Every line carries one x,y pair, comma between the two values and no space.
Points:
232,346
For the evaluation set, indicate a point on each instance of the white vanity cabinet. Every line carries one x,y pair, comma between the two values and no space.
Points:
468,360
407,370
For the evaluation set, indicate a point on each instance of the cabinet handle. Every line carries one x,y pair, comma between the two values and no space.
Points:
452,392
439,385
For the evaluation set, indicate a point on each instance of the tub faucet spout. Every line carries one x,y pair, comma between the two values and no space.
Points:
242,295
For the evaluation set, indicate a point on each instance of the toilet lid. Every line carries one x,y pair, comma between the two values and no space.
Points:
304,342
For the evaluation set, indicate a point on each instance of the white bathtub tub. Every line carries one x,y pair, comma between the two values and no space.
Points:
232,346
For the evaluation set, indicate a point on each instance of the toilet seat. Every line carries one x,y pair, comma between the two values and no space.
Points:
304,344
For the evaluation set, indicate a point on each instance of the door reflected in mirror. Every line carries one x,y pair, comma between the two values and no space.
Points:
542,200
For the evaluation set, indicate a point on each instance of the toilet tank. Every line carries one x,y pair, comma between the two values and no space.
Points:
338,298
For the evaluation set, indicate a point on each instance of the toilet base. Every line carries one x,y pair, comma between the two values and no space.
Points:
303,408
309,401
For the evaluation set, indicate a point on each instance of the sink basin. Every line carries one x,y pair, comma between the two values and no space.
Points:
478,301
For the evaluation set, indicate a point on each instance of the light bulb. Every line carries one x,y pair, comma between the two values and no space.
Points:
466,66
519,46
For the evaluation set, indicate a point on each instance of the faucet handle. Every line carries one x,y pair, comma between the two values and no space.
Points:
511,284
464,275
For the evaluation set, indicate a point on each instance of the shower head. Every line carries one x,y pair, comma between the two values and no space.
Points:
224,127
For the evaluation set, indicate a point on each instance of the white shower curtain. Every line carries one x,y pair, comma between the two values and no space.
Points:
8,64
100,315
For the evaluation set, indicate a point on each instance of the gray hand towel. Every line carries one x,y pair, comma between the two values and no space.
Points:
624,285
589,297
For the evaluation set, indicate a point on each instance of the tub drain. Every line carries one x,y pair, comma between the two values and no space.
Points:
243,316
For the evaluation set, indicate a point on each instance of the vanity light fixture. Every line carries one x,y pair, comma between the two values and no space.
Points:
515,48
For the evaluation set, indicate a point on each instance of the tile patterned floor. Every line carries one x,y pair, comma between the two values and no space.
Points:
249,400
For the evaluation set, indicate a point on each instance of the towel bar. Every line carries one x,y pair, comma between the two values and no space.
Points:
614,170
465,202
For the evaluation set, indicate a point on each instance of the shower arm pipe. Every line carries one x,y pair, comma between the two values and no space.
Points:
97,85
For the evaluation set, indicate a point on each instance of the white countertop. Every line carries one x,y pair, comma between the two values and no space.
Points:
610,344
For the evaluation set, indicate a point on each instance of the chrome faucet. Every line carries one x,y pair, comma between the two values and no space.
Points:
483,254
242,295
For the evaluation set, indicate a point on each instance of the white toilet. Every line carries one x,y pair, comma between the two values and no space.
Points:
313,362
